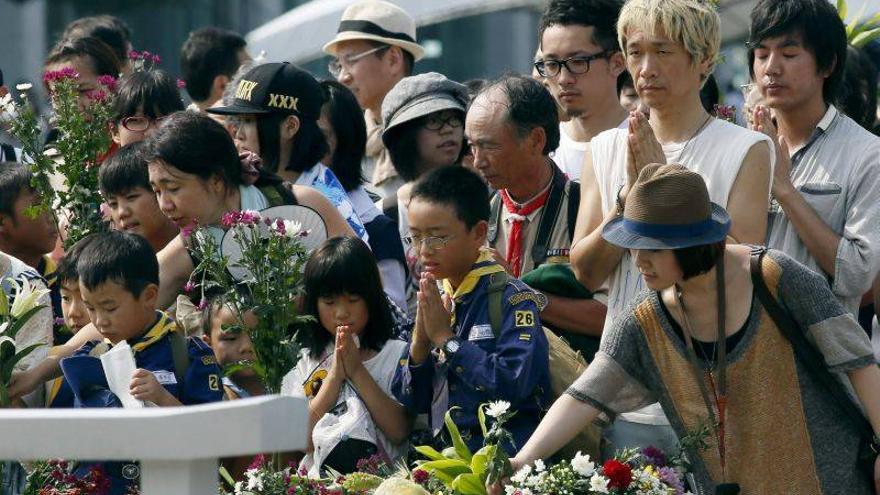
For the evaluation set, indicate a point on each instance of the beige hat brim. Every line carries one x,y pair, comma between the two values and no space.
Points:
413,48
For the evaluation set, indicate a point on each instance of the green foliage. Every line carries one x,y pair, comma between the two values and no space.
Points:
859,33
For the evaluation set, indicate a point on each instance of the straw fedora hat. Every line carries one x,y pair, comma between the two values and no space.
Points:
380,21
668,207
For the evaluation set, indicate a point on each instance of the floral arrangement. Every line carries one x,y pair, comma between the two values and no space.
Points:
272,259
631,472
56,477
262,479
82,121
12,319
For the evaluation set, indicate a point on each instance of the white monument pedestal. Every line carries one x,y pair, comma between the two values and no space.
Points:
178,446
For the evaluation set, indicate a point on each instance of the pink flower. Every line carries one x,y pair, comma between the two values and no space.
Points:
97,95
230,219
249,217
57,75
156,59
189,286
203,304
108,82
258,462
134,55
279,226
181,84
187,231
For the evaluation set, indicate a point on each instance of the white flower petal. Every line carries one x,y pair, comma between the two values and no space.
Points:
24,86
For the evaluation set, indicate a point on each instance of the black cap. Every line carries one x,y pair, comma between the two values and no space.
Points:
276,88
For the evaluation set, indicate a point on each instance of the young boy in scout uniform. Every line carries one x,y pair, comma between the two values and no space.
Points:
456,358
119,282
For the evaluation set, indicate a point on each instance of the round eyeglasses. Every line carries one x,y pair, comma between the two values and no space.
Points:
431,242
139,123
436,121
336,65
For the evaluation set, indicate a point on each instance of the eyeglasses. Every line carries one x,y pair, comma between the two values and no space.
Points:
138,123
335,66
436,121
575,65
431,242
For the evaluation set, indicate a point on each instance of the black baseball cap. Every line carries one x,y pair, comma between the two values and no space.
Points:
276,88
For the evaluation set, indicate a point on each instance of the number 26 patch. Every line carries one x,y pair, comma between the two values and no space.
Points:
525,318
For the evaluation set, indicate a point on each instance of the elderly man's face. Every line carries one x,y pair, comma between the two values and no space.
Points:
499,152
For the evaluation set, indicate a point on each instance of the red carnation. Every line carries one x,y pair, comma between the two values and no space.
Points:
619,474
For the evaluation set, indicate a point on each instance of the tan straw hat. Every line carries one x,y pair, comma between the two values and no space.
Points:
380,21
668,207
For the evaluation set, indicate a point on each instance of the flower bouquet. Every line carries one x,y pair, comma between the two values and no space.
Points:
56,477
631,472
12,319
83,124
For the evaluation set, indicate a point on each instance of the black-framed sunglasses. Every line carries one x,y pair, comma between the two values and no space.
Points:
575,65
437,121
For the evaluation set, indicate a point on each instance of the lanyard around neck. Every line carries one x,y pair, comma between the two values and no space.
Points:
716,403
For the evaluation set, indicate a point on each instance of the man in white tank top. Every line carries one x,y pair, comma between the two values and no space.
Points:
669,63
580,64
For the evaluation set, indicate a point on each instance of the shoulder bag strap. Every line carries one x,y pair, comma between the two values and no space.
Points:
574,202
497,282
494,218
548,216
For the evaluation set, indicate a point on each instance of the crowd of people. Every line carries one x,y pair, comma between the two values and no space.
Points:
706,271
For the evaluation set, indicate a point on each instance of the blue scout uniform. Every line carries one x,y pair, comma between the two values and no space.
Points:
513,367
152,351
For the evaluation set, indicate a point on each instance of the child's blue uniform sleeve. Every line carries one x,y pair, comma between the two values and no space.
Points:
85,376
412,383
202,380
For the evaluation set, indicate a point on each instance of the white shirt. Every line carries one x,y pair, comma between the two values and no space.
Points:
569,156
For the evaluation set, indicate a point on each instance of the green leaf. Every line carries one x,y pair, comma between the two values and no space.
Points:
451,467
430,452
841,9
865,37
6,370
469,484
481,418
4,303
227,477
21,321
480,461
460,447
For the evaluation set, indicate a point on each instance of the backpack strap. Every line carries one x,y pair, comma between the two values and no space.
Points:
494,218
497,283
179,355
574,203
277,194
548,216
805,351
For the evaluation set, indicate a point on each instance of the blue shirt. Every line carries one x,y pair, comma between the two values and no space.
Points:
512,367
324,180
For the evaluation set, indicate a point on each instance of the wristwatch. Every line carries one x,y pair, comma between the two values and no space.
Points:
450,347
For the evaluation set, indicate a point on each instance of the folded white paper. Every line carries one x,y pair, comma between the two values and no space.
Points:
119,366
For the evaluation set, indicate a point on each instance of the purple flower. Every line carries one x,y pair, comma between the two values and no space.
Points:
203,304
230,219
671,477
57,75
654,456
134,55
59,321
108,82
189,286
181,84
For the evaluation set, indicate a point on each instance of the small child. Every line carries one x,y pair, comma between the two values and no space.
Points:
349,361
119,281
125,185
58,392
231,345
455,357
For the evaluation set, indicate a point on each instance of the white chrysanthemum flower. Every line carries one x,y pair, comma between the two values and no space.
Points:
539,466
6,105
292,228
497,408
24,86
522,474
599,484
583,465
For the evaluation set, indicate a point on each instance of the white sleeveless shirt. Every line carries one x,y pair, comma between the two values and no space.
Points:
716,153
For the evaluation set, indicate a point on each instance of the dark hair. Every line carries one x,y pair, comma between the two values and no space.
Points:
818,24
207,53
66,270
529,105
859,89
403,147
458,187
309,143
110,29
120,257
624,80
346,119
153,90
195,144
1,77
474,86
345,265
601,15
101,57
14,178
697,260
124,171
710,94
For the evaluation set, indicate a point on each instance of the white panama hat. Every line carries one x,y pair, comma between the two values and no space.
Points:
380,21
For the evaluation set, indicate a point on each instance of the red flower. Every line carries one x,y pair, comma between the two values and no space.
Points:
619,474
420,476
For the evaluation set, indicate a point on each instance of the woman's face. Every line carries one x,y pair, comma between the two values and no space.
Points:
343,309
440,138
185,198
87,82
247,137
659,268
135,128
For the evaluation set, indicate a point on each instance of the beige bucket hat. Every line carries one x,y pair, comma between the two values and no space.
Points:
380,21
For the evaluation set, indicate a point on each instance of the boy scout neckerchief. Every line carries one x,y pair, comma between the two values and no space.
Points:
518,215
473,277
162,327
